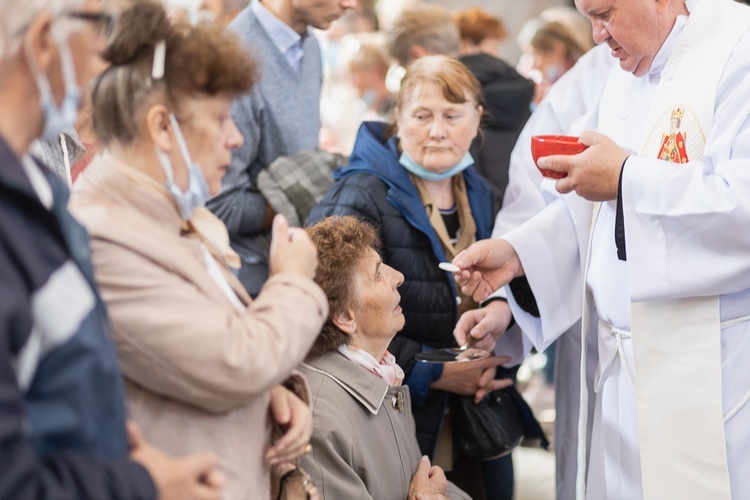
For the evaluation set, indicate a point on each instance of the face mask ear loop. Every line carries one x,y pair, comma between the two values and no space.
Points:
157,73
181,141
166,164
45,91
66,60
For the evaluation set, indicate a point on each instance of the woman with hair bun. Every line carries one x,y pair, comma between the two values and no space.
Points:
202,362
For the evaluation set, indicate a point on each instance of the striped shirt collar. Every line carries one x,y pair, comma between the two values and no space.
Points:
289,42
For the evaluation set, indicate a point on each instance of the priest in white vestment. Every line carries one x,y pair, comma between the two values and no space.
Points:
527,193
662,257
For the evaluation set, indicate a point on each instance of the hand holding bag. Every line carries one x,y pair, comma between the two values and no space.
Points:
291,482
496,425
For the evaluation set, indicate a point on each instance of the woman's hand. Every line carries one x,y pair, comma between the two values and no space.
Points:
474,378
428,482
292,251
294,417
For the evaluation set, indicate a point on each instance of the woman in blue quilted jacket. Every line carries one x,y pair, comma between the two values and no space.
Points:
414,181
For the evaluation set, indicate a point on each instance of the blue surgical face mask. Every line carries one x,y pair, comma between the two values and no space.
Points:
197,192
369,97
57,119
409,164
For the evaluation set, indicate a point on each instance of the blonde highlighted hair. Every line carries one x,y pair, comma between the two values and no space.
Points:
453,79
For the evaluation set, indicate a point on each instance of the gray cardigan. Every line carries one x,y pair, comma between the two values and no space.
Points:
364,441
279,117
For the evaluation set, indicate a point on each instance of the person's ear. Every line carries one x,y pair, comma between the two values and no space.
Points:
397,121
157,127
467,46
662,5
40,45
480,112
345,321
416,52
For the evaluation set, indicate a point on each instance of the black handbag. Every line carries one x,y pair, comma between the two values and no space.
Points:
489,429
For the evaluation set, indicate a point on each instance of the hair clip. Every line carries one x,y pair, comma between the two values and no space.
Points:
160,52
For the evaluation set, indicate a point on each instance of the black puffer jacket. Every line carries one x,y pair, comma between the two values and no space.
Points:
378,189
507,99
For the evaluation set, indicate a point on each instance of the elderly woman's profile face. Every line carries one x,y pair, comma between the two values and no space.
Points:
211,136
375,286
435,132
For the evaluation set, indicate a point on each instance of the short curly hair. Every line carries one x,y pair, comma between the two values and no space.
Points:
341,241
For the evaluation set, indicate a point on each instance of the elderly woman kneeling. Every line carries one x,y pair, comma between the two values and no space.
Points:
364,440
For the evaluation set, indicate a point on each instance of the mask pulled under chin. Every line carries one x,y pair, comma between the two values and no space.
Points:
409,164
62,118
197,192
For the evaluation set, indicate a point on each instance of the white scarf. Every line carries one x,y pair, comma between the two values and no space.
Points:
387,369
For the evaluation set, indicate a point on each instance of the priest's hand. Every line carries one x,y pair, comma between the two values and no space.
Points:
593,174
486,266
484,325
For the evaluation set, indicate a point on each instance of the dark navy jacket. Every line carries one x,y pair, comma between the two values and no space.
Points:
507,98
375,187
62,413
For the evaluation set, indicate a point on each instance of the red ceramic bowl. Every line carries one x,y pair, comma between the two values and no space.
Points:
547,145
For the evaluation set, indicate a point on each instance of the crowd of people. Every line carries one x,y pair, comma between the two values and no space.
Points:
205,294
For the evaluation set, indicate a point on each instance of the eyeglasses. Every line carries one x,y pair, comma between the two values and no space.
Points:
104,23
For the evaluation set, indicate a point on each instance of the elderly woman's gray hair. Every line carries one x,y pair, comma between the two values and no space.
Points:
426,26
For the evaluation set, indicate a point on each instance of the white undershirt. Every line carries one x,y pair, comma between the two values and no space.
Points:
38,181
214,271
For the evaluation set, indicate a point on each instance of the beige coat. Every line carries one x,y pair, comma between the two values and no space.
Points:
364,441
198,371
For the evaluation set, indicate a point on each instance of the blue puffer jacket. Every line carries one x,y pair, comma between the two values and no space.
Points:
375,187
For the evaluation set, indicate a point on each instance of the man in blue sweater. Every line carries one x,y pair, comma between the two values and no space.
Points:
62,413
279,117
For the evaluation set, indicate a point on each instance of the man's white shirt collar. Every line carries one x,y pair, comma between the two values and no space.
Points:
288,41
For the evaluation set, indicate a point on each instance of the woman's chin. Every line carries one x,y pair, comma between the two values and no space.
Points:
400,324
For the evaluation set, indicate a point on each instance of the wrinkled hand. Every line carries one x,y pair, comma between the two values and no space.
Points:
486,266
593,174
193,477
473,378
292,251
485,325
428,482
295,418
